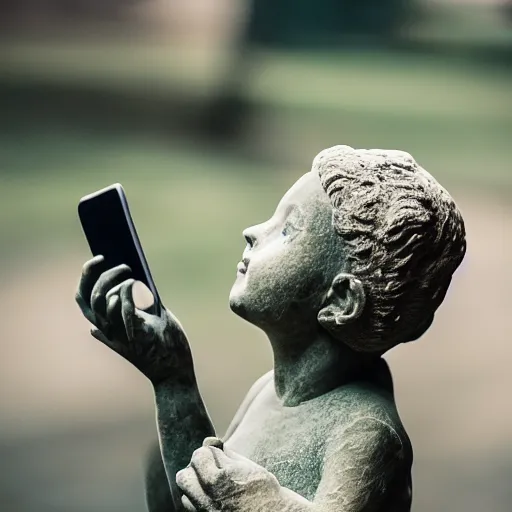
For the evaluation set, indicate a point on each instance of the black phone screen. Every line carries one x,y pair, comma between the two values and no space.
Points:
110,231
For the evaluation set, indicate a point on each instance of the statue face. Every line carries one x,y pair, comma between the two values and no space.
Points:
289,262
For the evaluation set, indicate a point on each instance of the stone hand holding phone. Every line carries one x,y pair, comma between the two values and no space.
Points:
154,343
149,338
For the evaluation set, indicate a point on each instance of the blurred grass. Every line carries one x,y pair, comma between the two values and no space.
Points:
113,64
382,83
463,24
190,203
372,81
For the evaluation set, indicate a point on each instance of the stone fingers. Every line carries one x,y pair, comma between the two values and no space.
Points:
106,281
91,271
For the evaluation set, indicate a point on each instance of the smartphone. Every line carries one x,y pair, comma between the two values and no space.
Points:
109,229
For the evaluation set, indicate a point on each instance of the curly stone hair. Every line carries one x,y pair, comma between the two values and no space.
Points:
404,238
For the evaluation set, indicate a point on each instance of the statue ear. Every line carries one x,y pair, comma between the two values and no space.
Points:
344,303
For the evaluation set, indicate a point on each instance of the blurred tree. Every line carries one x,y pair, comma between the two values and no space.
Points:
299,24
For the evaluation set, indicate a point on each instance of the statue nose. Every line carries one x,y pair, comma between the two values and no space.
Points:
250,237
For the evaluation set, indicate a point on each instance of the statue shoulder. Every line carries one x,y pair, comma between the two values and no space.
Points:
367,459
362,405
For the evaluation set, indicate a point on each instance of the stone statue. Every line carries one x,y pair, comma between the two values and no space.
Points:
356,259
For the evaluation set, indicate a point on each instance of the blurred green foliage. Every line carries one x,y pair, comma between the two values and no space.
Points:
190,200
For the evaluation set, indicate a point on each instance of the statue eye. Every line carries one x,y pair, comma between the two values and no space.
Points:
288,229
292,224
250,241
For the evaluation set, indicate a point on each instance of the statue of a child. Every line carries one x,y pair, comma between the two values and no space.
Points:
356,259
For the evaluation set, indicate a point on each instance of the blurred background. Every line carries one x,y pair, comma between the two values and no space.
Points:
207,111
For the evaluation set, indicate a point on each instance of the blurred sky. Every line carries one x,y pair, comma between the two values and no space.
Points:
207,126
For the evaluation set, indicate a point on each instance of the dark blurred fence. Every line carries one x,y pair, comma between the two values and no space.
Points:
306,23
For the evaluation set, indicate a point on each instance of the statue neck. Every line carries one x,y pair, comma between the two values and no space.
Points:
306,368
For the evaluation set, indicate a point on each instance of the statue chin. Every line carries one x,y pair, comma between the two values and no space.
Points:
243,305
236,302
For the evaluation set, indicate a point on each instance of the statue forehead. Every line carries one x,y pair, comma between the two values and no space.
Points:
307,192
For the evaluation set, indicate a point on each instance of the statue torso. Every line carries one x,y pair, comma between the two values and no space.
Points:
290,441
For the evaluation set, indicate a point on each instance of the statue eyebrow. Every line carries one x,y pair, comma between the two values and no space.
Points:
294,215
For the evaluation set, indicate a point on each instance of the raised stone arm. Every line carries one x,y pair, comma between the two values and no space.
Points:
158,496
365,464
158,347
158,492
183,424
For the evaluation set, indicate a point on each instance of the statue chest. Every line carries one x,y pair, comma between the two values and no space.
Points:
289,442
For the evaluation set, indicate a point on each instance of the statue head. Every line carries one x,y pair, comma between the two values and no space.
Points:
363,247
